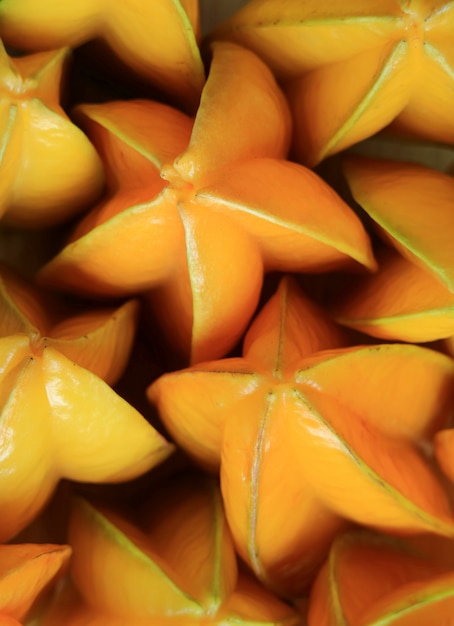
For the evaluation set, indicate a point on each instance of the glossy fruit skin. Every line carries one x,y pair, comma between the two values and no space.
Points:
172,562
404,588
298,422
26,571
51,171
395,438
201,287
156,42
60,418
398,52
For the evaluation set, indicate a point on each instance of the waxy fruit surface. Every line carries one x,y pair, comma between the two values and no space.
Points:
212,266
26,571
199,211
157,41
306,432
50,171
58,416
411,296
352,67
176,564
401,301
372,580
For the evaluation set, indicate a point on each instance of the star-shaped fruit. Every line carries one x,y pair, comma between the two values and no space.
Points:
49,170
411,296
58,415
26,571
372,580
156,40
401,301
176,566
413,208
352,67
306,432
199,211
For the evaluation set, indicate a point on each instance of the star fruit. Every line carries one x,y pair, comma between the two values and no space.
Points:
401,301
26,571
175,565
58,415
50,171
372,580
411,297
198,211
305,433
156,40
351,68
413,208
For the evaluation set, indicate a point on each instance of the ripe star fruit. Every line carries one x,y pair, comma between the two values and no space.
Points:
411,296
50,171
401,301
58,415
176,565
413,208
372,580
393,59
197,211
26,570
155,40
306,433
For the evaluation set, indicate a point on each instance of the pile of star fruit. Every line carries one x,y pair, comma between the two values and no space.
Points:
226,337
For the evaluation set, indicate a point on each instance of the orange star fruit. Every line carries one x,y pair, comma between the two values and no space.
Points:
197,214
401,301
306,432
58,417
50,170
351,68
413,207
156,40
371,580
26,571
177,565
